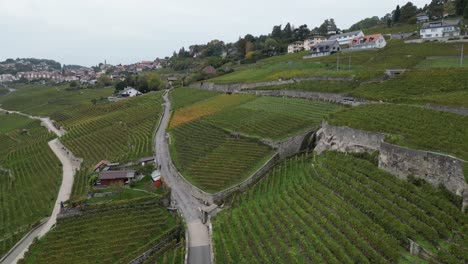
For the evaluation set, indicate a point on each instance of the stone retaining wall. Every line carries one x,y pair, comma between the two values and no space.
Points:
435,168
455,110
293,145
237,87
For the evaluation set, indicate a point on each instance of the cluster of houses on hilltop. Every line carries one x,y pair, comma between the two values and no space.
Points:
356,40
320,46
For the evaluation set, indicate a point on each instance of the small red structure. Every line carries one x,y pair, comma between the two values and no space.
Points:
156,176
99,164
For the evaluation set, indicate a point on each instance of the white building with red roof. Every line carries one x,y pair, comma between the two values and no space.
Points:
376,41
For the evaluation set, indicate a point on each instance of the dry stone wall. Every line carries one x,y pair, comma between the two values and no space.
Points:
237,87
293,145
437,169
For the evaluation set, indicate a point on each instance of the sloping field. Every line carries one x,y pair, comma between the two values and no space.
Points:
115,233
119,131
337,208
273,117
188,96
436,86
362,65
316,86
212,160
57,102
30,176
207,107
205,146
410,126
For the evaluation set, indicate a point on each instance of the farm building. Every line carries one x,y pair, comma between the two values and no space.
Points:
376,41
106,178
129,92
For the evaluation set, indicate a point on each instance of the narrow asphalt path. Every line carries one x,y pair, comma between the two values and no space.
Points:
199,251
69,166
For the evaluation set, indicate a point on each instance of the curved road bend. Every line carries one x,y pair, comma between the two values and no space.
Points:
69,165
199,251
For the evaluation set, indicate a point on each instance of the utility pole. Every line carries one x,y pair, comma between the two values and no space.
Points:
461,56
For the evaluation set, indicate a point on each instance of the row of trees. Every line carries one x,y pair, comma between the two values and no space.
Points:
142,82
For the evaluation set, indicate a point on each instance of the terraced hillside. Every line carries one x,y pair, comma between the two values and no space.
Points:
30,176
119,131
215,144
112,233
362,65
273,117
337,208
316,86
448,86
410,126
57,102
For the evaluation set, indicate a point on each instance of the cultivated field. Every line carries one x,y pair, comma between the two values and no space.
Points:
337,208
273,117
204,143
435,86
57,102
444,62
120,131
410,126
187,96
112,233
30,176
212,160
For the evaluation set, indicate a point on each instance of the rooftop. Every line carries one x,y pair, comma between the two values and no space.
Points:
112,175
441,23
347,34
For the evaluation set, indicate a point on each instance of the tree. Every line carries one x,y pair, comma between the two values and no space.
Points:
408,12
287,33
460,7
396,14
117,188
73,84
154,82
277,33
104,81
436,9
301,33
365,23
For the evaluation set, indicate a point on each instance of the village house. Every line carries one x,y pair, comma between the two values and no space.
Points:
106,178
376,41
311,41
422,17
345,38
129,92
325,48
332,30
296,47
440,29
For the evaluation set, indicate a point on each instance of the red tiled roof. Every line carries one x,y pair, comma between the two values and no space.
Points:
367,39
99,164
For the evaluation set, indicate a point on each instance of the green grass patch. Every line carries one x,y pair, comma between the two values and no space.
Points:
114,233
443,62
336,208
417,127
30,177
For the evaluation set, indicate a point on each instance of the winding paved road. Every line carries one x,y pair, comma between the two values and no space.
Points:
69,166
199,251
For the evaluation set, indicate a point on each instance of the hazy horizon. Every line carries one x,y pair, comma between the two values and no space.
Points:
88,32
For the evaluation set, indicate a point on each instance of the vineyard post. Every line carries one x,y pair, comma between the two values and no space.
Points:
461,56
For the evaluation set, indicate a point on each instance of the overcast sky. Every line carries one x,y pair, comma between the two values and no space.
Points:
87,32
